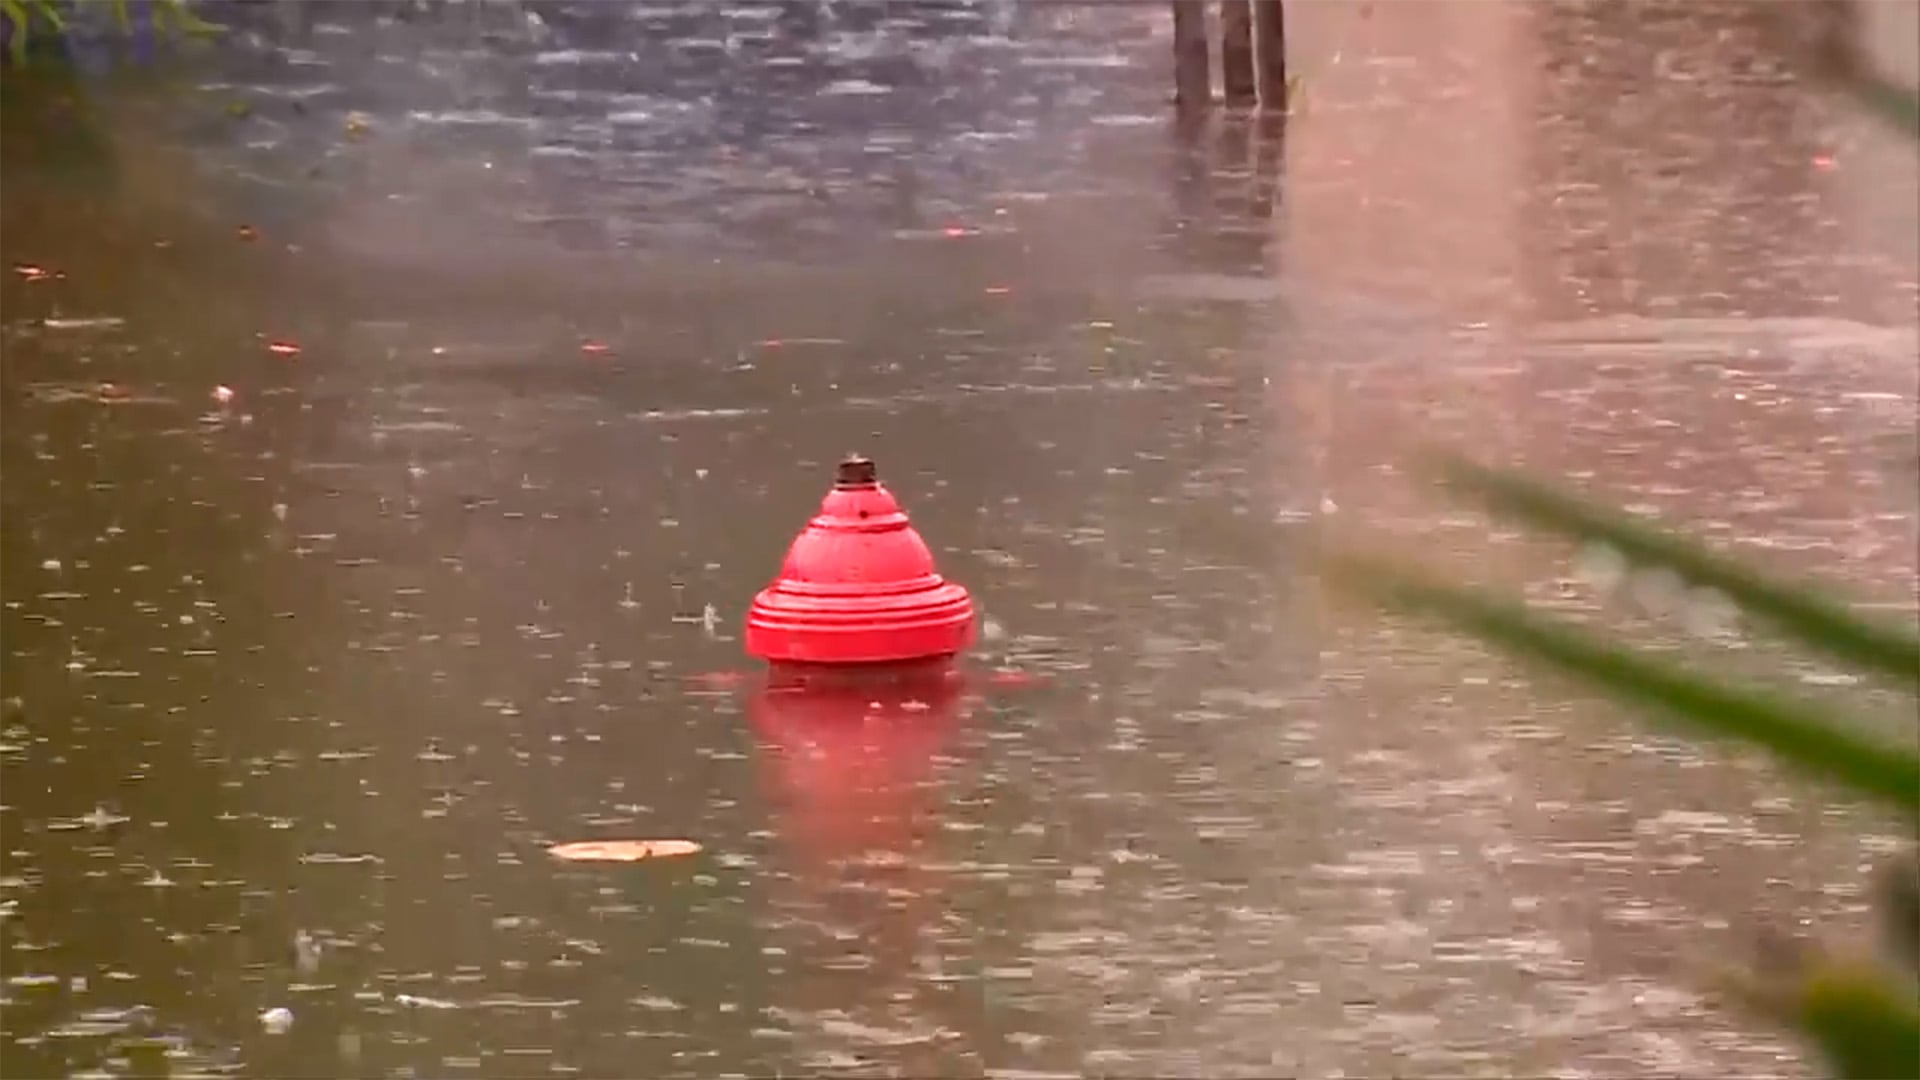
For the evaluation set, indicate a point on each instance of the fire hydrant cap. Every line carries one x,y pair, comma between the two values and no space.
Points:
859,586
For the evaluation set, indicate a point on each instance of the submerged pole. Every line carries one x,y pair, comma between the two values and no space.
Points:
1236,51
1270,50
1192,74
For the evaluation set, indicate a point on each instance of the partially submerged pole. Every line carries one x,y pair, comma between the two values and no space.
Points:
1236,52
1192,74
1270,50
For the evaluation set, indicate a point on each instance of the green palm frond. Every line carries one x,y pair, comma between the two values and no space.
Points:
1863,1023
1796,733
1863,1019
25,17
1801,611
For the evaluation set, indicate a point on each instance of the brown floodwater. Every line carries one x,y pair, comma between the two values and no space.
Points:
402,405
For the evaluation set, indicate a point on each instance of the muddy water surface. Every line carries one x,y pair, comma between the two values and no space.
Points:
541,335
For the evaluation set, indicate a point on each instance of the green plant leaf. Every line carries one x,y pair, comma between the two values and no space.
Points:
184,20
1871,767
1799,611
18,18
1866,1026
1846,66
1889,102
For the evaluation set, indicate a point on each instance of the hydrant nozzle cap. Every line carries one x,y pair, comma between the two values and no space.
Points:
856,472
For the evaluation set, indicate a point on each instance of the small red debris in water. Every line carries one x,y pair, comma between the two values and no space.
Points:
954,232
114,392
1824,162
283,348
593,348
223,394
716,679
30,273
998,290
247,232
1013,678
772,343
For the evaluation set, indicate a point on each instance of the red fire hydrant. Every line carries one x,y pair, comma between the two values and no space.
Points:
859,586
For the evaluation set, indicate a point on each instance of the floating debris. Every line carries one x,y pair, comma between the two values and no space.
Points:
334,858
100,322
30,272
780,343
223,394
622,850
853,88
276,1021
595,348
283,348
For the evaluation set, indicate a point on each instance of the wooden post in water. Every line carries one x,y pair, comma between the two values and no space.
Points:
1192,73
1270,50
1236,51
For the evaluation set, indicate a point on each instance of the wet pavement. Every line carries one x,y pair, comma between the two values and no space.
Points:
540,338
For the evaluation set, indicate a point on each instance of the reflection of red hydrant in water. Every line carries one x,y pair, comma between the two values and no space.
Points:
854,751
850,771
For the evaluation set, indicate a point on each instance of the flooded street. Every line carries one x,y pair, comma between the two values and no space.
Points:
401,409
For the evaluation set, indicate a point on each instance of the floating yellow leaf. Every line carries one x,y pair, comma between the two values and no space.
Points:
622,850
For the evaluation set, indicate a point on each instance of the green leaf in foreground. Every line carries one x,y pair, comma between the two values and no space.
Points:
1867,1027
1799,611
184,20
1871,767
1889,102
1847,67
19,20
